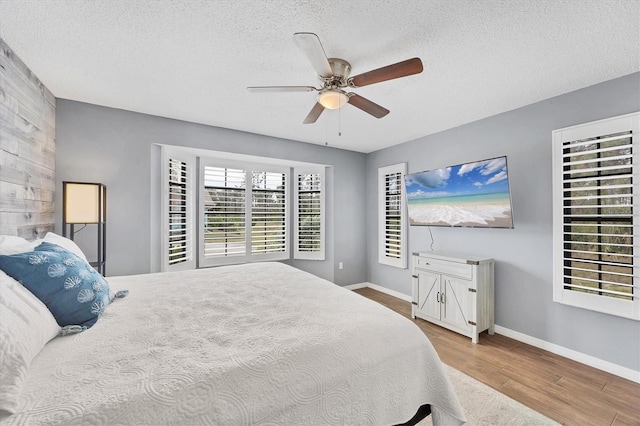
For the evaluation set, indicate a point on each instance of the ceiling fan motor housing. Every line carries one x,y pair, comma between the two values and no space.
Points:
341,70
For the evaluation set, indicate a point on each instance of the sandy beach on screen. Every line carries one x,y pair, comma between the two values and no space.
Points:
485,215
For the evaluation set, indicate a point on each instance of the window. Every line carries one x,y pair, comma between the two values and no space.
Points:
244,209
595,216
179,212
309,214
392,216
239,209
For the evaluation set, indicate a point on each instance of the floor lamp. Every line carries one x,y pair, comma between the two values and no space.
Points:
86,203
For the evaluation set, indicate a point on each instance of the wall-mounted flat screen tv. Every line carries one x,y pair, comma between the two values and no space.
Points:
467,195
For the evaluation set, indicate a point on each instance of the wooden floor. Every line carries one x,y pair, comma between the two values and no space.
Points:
563,390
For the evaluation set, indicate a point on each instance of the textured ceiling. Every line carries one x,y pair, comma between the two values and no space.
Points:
192,59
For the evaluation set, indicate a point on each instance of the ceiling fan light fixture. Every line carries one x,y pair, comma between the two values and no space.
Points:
332,99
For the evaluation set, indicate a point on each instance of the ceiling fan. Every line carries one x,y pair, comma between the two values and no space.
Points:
334,76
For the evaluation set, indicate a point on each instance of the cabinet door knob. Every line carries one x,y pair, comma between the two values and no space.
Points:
438,297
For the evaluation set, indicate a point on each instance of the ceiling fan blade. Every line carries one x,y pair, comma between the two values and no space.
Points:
314,114
401,69
367,106
311,46
281,88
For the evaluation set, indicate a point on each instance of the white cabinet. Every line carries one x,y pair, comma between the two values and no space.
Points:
454,292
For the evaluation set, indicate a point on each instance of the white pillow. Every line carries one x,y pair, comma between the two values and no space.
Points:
66,244
26,325
10,244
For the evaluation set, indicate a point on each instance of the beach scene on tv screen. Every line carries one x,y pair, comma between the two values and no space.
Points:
471,195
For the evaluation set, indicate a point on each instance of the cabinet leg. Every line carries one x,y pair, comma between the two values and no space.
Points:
474,338
491,330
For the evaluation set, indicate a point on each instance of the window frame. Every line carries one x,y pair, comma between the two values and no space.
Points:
605,304
383,258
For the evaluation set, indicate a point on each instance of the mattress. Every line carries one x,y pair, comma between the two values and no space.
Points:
261,343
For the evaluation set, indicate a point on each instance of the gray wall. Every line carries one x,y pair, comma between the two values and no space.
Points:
27,150
118,148
523,286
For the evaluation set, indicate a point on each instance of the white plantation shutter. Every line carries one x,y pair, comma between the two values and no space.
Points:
309,214
224,205
392,216
245,213
268,213
596,216
180,243
179,212
243,210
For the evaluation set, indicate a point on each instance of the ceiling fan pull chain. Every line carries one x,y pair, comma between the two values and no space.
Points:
326,132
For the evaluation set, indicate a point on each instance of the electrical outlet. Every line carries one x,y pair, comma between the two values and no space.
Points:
340,265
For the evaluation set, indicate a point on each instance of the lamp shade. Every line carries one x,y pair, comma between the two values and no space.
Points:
332,99
84,202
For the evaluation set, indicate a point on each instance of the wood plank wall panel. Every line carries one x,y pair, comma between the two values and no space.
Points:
27,150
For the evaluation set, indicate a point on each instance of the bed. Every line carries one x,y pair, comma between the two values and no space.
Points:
261,343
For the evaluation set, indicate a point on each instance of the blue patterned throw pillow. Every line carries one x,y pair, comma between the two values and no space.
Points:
75,293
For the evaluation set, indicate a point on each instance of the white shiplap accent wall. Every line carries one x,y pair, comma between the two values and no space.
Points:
27,150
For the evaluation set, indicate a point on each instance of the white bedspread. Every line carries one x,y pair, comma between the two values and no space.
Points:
236,345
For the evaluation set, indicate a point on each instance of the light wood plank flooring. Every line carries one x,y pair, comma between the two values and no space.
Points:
564,390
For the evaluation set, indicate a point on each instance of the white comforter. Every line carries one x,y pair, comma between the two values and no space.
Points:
236,345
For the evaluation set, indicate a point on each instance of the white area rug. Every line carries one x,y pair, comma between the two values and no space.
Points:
485,406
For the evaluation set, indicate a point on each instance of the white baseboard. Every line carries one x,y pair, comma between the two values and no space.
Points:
589,360
381,289
355,286
594,362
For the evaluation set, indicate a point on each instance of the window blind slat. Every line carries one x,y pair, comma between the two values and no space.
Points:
602,139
